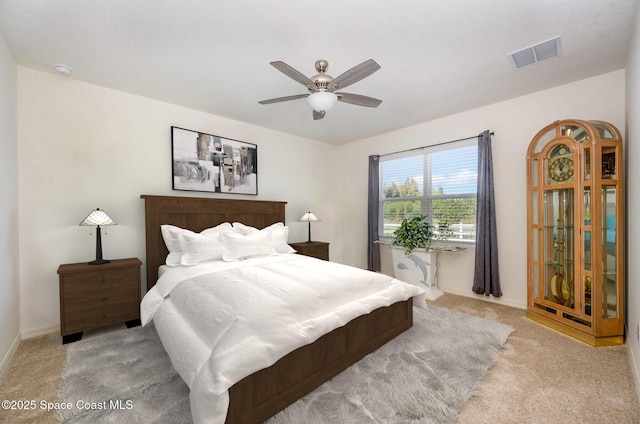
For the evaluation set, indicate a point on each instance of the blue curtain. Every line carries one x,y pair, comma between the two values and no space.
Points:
373,249
486,279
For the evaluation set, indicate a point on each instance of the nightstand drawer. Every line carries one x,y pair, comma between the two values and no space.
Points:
93,280
317,249
81,300
99,316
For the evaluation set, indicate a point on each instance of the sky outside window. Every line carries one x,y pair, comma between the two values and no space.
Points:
453,170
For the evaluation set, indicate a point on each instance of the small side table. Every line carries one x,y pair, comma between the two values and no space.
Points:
420,268
316,249
93,296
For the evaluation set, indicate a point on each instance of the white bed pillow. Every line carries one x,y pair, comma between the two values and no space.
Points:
278,235
217,230
189,248
240,228
279,240
238,246
243,229
198,248
170,235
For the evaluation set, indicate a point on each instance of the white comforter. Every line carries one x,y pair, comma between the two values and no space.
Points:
222,321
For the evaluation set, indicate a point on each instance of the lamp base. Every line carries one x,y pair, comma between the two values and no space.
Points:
99,260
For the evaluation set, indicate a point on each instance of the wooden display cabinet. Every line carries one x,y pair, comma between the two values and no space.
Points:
575,230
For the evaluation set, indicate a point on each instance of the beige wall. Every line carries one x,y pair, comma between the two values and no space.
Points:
633,202
9,285
515,122
83,146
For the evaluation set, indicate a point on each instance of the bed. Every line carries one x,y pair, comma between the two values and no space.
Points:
262,394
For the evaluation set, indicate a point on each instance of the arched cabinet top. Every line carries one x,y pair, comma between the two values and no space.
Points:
575,130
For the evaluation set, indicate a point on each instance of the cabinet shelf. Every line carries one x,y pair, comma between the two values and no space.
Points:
556,263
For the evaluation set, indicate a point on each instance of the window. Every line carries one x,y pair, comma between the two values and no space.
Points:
438,181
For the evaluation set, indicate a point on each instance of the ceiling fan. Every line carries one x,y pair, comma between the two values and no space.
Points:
322,87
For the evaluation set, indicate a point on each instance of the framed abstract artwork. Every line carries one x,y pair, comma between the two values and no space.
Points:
207,162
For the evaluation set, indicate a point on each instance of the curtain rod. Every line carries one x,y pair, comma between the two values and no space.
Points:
433,145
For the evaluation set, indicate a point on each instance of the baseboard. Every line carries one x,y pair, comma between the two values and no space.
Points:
7,358
634,367
496,300
36,332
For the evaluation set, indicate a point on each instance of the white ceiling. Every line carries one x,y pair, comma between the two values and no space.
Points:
437,57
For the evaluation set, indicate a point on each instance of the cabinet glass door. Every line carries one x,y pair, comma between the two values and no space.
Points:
558,247
609,253
586,251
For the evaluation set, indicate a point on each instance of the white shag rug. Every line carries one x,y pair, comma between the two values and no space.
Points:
423,376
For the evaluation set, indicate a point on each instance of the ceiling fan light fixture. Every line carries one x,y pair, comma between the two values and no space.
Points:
62,69
321,87
322,101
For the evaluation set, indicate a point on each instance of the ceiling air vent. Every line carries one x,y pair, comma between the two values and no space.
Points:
542,51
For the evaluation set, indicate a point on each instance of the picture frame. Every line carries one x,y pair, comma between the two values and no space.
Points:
211,163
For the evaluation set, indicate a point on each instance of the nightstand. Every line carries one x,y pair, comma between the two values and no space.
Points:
317,249
93,296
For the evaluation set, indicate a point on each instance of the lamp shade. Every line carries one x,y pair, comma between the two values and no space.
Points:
322,101
309,217
98,217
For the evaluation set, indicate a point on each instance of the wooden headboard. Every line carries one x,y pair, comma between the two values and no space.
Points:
196,214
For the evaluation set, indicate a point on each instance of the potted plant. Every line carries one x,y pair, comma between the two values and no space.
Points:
414,233
413,262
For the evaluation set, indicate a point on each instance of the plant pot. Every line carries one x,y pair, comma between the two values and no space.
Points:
418,268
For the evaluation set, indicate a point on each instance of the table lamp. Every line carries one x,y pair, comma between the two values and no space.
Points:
309,217
98,218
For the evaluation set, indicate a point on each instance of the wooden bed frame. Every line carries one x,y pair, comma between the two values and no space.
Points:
264,393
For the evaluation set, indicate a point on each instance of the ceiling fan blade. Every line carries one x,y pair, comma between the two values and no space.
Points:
318,115
292,73
283,99
357,99
355,74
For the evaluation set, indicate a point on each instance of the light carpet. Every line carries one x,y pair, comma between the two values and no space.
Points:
423,376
